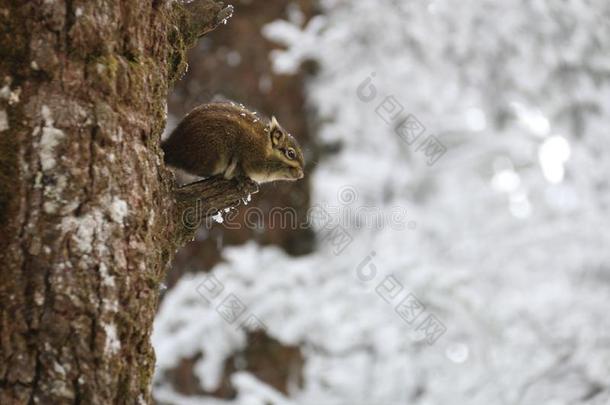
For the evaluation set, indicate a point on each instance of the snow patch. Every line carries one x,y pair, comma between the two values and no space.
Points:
107,278
49,140
111,306
290,35
5,92
255,390
50,207
47,116
12,96
113,344
228,14
53,195
84,229
59,368
38,298
218,217
118,210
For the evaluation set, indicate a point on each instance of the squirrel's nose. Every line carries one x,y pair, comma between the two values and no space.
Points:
299,173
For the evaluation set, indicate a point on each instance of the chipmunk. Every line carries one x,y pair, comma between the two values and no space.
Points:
225,138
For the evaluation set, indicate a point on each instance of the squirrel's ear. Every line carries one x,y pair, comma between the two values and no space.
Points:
274,123
277,135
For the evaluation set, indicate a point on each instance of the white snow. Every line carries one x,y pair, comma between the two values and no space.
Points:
229,14
47,116
118,210
50,207
553,154
112,344
59,368
12,96
302,43
88,231
107,278
38,298
49,140
5,92
251,390
218,217
85,230
521,286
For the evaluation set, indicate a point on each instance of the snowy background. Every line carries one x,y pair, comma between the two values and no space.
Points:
463,248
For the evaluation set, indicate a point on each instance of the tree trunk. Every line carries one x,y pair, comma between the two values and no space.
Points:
88,222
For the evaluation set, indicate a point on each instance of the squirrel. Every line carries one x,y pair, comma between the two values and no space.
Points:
223,138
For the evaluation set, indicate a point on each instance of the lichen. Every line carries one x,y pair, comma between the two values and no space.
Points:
105,68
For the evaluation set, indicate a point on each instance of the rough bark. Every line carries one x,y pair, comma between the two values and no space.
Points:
200,201
87,215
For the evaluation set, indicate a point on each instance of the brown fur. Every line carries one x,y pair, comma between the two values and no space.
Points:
225,138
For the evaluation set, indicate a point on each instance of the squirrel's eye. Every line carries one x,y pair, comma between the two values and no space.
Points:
291,154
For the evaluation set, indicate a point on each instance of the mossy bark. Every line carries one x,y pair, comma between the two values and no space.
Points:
87,228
